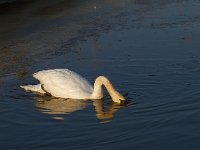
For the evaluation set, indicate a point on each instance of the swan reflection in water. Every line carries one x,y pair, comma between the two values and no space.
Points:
59,106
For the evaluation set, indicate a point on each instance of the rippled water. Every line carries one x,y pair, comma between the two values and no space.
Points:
148,49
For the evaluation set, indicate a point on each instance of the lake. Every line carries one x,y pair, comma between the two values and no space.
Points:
149,49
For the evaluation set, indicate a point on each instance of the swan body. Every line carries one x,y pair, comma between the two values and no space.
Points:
64,83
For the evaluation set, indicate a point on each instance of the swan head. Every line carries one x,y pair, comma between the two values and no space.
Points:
117,97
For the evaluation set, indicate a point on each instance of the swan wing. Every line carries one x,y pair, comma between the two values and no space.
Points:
64,83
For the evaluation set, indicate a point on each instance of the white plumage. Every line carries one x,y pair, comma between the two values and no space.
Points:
65,83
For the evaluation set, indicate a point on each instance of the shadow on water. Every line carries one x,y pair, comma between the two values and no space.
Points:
36,6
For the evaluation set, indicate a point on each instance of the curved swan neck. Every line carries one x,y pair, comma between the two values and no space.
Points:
98,91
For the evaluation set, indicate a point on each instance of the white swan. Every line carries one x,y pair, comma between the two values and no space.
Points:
64,83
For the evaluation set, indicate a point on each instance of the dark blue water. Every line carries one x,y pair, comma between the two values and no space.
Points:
149,50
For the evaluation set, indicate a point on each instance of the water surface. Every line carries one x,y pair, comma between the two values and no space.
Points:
148,49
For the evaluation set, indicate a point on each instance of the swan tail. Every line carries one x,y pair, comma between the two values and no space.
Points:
33,88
